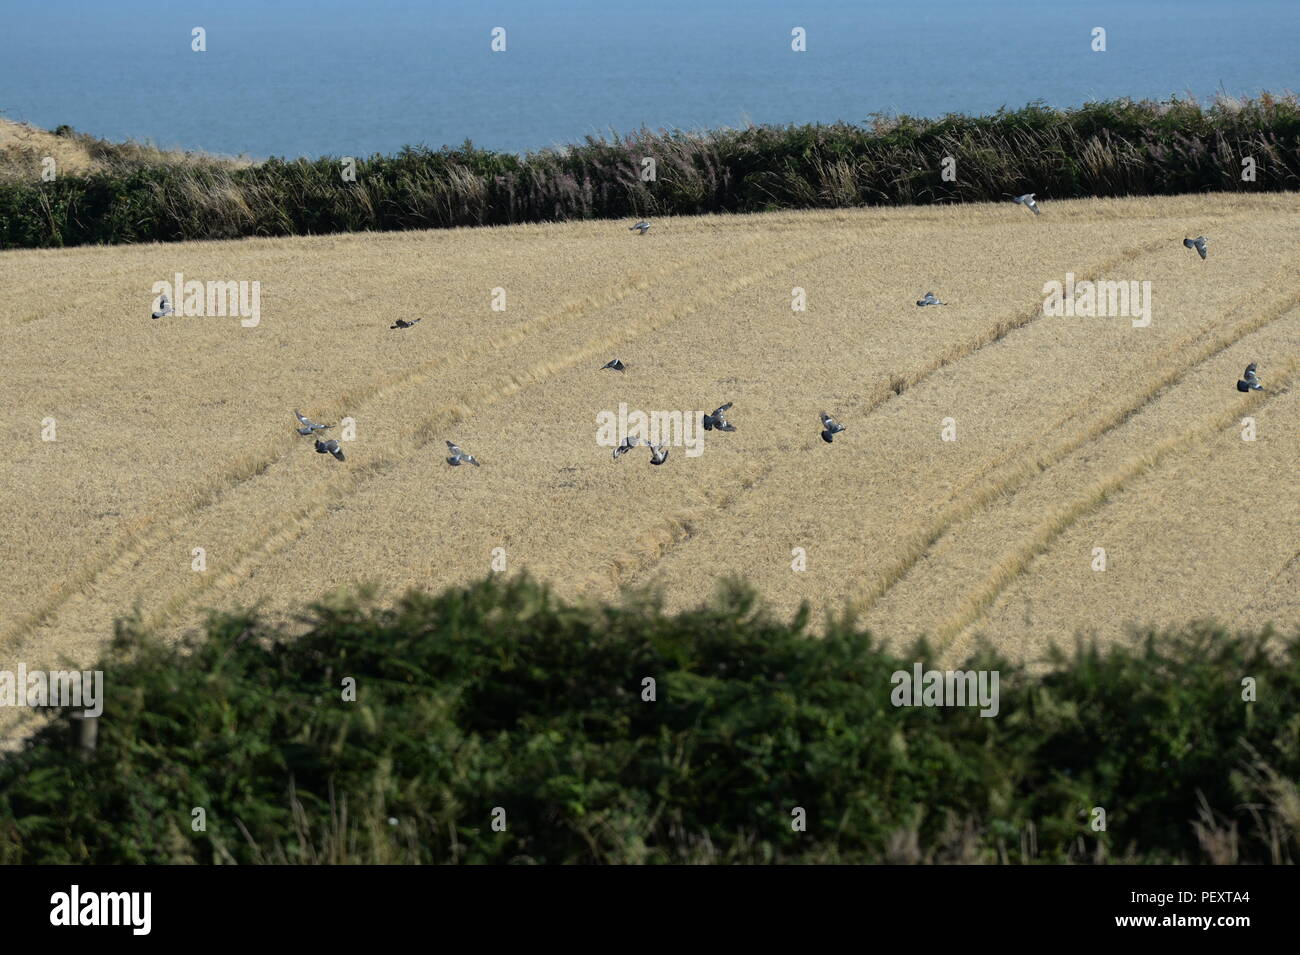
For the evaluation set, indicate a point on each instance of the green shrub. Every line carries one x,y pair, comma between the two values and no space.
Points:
500,695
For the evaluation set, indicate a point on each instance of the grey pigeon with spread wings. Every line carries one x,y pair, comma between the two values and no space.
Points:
1198,244
830,428
627,445
1027,200
331,447
718,421
309,426
456,457
1250,380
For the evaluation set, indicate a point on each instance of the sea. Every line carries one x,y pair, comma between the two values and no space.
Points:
354,78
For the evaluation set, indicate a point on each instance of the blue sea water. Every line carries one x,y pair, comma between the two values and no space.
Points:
349,77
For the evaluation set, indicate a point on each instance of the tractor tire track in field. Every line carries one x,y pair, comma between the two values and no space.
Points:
285,532
976,495
960,624
674,530
1287,565
632,284
152,531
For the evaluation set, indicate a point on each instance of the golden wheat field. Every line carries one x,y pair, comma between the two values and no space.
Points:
1071,433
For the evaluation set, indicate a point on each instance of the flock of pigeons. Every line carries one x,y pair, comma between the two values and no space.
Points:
716,421
830,427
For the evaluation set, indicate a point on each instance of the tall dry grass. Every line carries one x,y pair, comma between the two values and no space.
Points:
1115,148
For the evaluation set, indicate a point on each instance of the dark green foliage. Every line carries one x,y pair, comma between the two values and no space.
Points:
1101,149
500,695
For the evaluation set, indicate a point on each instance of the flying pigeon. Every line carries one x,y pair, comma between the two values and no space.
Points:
164,307
718,420
830,428
628,444
616,365
1198,244
459,457
1250,380
402,324
1027,200
331,446
641,227
309,426
929,299
658,453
